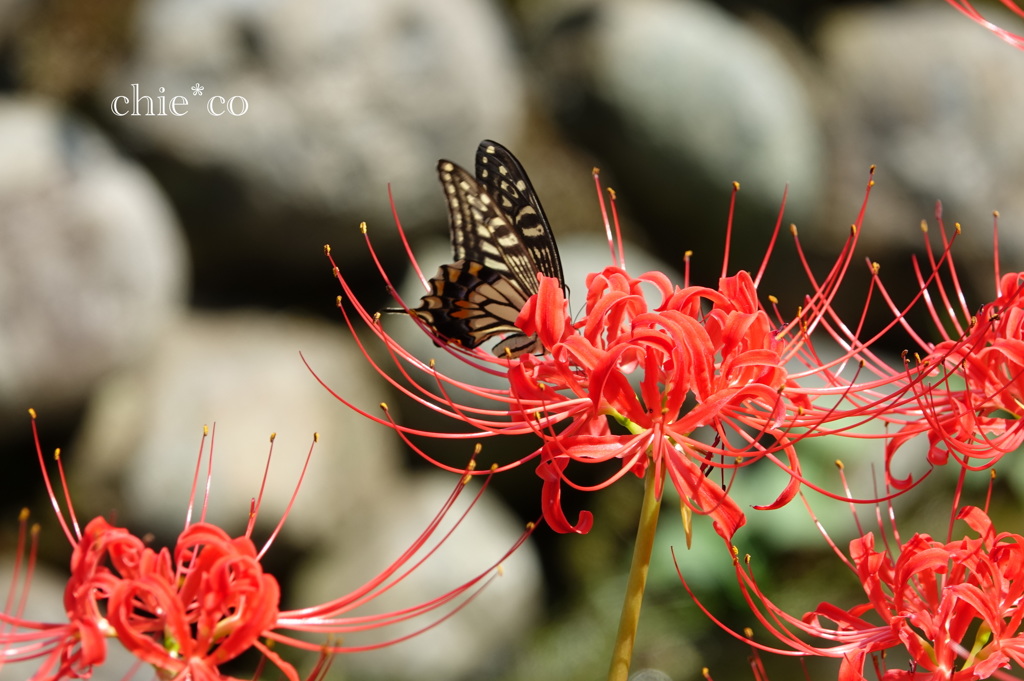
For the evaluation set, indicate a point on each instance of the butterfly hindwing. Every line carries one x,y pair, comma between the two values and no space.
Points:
469,303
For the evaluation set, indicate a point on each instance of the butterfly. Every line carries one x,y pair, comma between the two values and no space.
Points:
501,239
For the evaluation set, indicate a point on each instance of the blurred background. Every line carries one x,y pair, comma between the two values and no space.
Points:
161,259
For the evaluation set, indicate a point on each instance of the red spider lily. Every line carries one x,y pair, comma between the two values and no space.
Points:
697,377
724,357
955,606
189,610
973,409
185,613
967,9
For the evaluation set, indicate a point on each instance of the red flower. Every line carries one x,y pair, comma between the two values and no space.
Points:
971,387
988,413
184,614
188,611
682,378
702,357
955,607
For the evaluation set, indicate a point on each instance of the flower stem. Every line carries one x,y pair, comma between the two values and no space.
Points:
622,653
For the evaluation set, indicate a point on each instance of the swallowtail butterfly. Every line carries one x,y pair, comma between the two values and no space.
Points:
500,241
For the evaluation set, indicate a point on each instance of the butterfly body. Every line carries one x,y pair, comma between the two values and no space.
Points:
501,240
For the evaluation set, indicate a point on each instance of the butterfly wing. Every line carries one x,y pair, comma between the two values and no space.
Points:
481,231
500,241
507,183
469,303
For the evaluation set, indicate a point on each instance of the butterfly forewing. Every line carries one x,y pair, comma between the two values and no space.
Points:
480,231
507,183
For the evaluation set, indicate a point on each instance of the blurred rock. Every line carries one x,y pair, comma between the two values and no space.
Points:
482,637
682,99
243,373
92,267
934,100
650,675
340,99
12,17
63,48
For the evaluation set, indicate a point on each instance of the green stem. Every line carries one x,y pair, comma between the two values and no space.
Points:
622,654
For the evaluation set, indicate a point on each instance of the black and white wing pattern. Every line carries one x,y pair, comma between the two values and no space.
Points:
501,240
